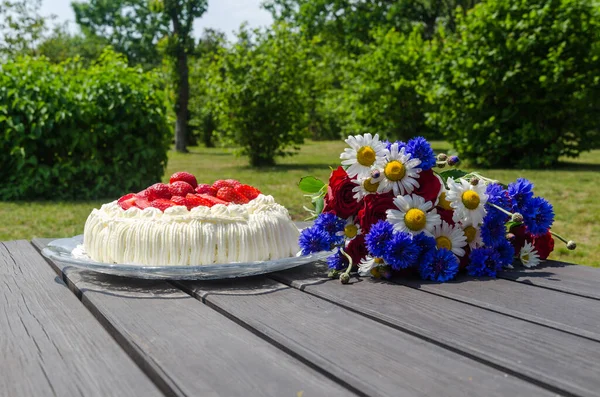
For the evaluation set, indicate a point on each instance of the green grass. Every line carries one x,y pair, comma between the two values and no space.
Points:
573,188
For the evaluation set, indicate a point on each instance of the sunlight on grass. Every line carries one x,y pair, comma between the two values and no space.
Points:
573,188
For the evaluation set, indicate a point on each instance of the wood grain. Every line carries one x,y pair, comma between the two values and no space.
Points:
373,359
560,276
189,348
562,362
565,312
50,345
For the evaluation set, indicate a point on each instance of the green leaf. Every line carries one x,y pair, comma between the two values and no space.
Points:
454,174
310,184
319,204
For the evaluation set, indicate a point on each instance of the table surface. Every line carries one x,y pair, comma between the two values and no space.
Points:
68,332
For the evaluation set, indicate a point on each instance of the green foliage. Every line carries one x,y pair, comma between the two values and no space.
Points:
258,88
519,85
71,132
62,45
380,89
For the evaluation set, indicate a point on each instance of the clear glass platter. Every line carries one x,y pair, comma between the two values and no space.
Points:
66,251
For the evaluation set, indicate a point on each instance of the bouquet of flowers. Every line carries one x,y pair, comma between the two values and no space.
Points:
386,210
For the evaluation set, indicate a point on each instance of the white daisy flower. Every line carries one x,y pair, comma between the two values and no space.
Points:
529,255
468,201
367,185
351,230
399,172
414,215
368,266
450,237
441,199
363,153
472,234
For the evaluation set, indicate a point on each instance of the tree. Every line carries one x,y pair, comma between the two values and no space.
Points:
134,27
518,85
21,26
258,84
61,45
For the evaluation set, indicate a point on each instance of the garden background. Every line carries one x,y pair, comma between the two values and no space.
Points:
511,86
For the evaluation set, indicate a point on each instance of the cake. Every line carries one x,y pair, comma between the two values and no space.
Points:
195,229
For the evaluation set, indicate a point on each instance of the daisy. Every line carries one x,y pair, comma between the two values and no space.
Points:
414,215
529,255
351,230
472,234
441,201
363,153
467,200
450,237
399,171
369,266
367,185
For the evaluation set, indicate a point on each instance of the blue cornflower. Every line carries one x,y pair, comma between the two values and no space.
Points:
538,216
401,252
493,230
387,144
499,196
444,266
312,240
337,261
520,193
331,224
484,262
506,252
427,248
378,238
419,148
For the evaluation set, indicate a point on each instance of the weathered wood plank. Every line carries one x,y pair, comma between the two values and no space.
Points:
189,348
565,312
560,276
49,343
560,361
372,358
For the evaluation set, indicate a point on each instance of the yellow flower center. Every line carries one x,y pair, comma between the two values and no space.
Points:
375,272
470,233
394,170
370,187
415,219
444,242
379,261
366,156
445,204
470,199
526,257
350,231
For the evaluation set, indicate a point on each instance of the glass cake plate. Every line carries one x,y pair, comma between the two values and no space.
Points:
69,251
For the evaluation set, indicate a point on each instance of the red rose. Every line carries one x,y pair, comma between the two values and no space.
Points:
357,250
374,209
544,245
463,261
340,198
429,186
446,215
521,236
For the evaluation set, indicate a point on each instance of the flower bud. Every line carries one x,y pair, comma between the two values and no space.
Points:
442,157
333,273
475,181
441,164
571,245
344,278
517,217
453,160
510,236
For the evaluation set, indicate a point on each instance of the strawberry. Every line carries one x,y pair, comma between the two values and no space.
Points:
127,201
142,202
250,192
162,204
143,194
178,200
206,189
185,177
158,190
233,182
229,194
195,200
180,188
224,183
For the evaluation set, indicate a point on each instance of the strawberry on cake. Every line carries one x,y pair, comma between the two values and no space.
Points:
186,223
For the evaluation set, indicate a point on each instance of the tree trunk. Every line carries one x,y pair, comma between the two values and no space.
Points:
183,96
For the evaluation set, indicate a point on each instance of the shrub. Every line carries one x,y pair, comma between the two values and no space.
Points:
78,133
519,84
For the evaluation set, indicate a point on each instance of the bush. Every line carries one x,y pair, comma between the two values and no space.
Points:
76,133
519,84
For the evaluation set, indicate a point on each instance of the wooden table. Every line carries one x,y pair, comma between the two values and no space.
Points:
67,332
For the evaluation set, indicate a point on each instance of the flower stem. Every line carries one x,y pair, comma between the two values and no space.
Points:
500,209
345,277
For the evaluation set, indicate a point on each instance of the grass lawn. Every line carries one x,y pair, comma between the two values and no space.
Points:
573,188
